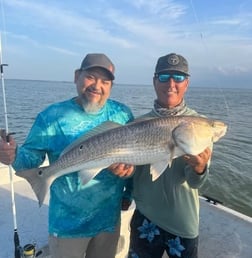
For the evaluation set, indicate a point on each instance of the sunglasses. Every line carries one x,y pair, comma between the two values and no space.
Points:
166,77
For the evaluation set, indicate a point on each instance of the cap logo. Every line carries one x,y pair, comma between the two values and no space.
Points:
173,60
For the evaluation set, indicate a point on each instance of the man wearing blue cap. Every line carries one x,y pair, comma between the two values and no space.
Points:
83,219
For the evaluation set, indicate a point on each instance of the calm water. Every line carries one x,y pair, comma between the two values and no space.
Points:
230,180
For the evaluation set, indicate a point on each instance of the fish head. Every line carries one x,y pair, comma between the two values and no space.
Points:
194,135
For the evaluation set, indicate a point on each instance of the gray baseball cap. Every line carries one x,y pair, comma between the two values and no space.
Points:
173,63
98,60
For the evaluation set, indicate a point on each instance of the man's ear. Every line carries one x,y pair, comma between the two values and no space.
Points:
187,83
153,80
76,75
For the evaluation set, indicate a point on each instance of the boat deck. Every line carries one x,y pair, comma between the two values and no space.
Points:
224,233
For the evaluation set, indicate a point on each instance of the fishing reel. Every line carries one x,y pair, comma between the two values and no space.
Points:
29,251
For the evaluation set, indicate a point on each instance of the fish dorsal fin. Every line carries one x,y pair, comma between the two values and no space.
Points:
108,125
97,130
142,119
156,169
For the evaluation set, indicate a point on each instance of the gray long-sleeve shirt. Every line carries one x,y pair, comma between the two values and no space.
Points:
171,201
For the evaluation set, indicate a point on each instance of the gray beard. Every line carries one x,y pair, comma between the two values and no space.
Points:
90,108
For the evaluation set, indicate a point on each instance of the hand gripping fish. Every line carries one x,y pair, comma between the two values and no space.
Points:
155,141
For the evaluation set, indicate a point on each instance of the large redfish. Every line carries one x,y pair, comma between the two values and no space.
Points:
155,141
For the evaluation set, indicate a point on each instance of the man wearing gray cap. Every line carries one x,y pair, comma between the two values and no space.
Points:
83,219
167,209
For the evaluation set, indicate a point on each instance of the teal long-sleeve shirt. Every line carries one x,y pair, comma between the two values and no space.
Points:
171,201
75,210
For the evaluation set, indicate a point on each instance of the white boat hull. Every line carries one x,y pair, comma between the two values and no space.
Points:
224,233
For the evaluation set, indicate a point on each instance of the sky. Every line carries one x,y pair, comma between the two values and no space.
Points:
47,40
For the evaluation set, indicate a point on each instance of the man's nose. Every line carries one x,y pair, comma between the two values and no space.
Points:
171,82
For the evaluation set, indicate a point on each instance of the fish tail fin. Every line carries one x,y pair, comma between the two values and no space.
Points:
38,182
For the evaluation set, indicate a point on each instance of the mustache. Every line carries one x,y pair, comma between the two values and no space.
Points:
93,89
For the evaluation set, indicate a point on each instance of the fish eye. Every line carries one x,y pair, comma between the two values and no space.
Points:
40,172
81,147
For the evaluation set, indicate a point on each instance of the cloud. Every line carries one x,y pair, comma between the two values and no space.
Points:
230,22
132,32
80,27
63,51
161,8
118,29
234,70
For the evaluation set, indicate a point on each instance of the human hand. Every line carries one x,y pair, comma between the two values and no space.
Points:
198,162
122,170
7,150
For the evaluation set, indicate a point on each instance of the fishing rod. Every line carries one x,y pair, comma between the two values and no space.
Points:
29,249
5,134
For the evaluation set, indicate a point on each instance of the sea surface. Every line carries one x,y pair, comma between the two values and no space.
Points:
230,179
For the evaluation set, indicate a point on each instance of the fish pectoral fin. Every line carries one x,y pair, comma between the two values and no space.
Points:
87,174
156,169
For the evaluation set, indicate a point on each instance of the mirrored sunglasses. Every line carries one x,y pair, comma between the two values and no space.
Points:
166,77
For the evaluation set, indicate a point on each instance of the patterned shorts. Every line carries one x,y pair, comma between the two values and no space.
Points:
150,241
